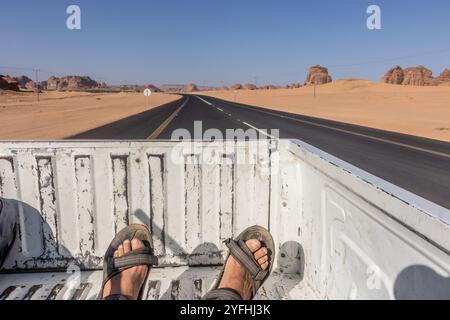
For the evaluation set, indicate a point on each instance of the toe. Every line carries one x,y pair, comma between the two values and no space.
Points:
136,244
126,246
265,265
263,260
116,254
253,244
121,250
261,253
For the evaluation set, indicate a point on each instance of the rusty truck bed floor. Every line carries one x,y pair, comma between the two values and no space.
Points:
171,283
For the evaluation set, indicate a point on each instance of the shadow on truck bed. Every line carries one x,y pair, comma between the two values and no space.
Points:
421,282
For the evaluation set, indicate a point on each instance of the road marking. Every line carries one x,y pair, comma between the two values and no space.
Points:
208,103
259,130
437,153
166,122
239,120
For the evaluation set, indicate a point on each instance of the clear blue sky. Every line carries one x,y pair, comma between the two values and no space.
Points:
209,41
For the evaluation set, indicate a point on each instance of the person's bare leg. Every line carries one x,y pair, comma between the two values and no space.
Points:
237,278
130,281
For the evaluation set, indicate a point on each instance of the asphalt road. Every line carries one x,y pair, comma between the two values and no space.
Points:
419,165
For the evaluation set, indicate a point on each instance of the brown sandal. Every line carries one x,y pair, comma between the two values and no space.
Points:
115,265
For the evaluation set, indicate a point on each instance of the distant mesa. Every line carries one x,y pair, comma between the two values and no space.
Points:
152,88
185,88
415,76
270,87
9,83
318,75
190,88
236,86
72,83
294,86
171,87
249,86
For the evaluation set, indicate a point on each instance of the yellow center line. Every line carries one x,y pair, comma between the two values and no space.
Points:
166,122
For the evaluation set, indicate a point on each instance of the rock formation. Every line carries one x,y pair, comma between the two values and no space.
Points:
236,86
444,76
294,86
395,75
249,86
72,83
8,83
419,76
414,76
190,88
153,88
271,87
318,75
25,82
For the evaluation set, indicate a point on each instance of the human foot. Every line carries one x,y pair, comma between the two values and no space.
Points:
128,282
237,278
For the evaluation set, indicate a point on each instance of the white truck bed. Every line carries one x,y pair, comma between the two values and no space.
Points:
341,233
169,283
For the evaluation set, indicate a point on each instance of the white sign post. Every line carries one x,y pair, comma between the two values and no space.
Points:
147,93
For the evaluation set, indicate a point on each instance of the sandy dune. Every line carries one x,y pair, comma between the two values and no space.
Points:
420,111
59,114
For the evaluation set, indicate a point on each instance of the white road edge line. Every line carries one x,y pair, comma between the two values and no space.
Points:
246,123
404,145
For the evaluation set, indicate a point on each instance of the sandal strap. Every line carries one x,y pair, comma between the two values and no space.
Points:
116,297
240,251
222,294
138,257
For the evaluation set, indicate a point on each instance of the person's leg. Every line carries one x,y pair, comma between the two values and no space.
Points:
236,282
129,282
8,225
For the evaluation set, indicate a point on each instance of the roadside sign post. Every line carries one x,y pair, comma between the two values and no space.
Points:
147,93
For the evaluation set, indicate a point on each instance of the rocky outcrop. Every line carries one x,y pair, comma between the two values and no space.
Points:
395,75
318,75
153,88
72,83
236,86
294,86
271,87
190,88
419,76
249,86
444,76
8,83
25,82
53,83
414,76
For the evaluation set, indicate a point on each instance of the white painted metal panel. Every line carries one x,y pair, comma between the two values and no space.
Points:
340,232
75,196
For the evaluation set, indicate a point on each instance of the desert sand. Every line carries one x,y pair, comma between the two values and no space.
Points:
419,111
62,114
